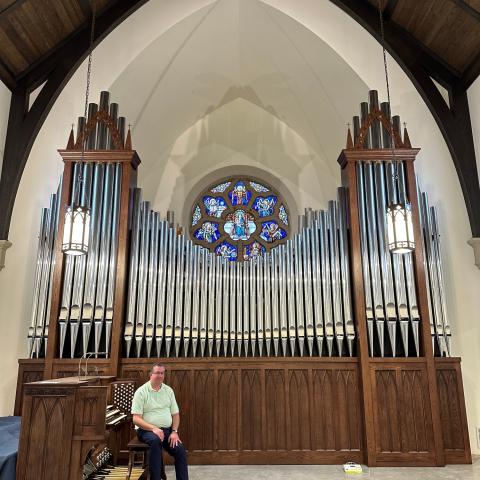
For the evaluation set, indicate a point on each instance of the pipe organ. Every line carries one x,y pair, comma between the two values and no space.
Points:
330,314
293,301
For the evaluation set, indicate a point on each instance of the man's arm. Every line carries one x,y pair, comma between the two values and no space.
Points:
174,439
140,422
175,421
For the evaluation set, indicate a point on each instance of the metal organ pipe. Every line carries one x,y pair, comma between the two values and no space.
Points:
283,303
185,301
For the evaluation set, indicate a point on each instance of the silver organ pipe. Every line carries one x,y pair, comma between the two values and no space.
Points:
283,303
389,279
87,297
439,327
38,331
93,280
183,300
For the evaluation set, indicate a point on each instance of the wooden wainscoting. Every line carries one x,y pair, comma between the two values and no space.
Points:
402,412
265,410
452,411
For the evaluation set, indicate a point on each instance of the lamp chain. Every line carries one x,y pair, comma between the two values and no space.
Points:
87,93
385,66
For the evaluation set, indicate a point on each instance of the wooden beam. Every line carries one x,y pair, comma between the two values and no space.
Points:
454,123
8,9
467,8
24,126
471,73
389,9
86,8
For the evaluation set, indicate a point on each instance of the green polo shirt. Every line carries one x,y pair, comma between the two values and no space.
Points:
155,407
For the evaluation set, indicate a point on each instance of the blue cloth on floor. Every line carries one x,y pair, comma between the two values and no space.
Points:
9,435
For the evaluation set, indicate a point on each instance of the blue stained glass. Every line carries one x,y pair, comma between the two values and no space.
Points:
283,215
257,187
239,225
264,205
227,250
239,195
214,206
253,250
220,188
271,232
196,215
208,232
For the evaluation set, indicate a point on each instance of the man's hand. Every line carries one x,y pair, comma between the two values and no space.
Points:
159,433
174,439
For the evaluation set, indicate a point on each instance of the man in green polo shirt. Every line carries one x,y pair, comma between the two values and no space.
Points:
156,417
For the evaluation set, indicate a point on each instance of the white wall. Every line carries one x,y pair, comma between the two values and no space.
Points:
474,104
184,129
5,97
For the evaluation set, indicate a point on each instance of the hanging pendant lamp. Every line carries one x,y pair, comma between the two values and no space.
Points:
76,230
400,237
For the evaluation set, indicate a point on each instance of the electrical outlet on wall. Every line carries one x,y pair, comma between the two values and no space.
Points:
478,437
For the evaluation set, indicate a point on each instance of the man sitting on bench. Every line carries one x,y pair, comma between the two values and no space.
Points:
156,417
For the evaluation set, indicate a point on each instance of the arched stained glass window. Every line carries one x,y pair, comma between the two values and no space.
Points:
239,218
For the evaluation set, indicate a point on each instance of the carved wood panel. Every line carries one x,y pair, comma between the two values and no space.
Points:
251,410
30,370
50,421
452,411
403,418
228,410
264,410
276,410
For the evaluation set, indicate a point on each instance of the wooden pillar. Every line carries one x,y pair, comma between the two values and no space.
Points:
370,366
422,299
349,180
130,161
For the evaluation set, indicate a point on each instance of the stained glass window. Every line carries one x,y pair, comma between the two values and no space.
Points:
239,219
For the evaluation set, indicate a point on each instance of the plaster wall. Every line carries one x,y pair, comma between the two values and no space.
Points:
474,104
243,132
5,96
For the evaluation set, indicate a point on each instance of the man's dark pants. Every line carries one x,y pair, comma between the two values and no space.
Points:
156,459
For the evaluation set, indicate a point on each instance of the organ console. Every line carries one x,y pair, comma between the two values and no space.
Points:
68,422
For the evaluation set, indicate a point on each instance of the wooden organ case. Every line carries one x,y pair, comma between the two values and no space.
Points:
361,380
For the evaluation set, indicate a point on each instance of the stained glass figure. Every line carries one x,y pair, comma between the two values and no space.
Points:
271,232
220,188
240,195
226,250
214,206
196,215
282,214
208,232
239,218
240,225
258,188
264,205
253,250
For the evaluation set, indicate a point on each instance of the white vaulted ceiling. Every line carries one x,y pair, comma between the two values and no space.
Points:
264,72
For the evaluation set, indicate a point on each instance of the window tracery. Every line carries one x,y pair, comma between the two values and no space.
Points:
239,218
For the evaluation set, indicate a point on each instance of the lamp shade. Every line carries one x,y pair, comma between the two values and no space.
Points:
76,230
400,228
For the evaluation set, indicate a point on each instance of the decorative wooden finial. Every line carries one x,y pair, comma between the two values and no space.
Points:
128,141
71,140
349,137
406,138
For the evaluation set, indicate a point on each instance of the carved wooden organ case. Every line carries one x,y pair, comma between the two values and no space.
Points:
325,349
